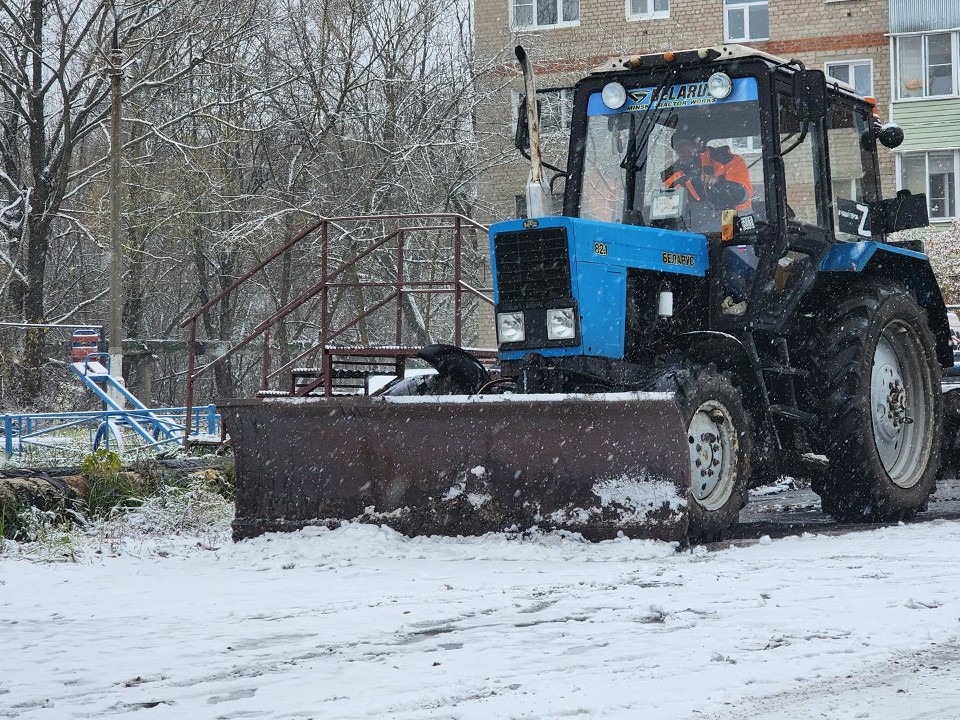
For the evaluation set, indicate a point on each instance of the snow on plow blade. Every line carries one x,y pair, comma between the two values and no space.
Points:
594,464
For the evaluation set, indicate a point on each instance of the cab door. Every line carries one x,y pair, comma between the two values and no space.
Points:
854,186
789,257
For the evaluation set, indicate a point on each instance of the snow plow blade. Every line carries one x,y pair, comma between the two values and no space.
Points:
451,465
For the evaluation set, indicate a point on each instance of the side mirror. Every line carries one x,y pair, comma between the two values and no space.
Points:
904,212
890,135
810,94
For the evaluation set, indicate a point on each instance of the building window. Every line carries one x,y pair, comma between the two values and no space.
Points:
926,65
747,145
556,110
933,173
545,13
520,206
858,73
647,9
746,20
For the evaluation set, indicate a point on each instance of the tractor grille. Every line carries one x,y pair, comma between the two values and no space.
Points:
532,265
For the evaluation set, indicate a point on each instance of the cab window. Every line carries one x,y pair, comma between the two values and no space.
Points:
852,173
798,150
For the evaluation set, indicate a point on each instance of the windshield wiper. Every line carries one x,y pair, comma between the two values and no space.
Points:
637,145
633,149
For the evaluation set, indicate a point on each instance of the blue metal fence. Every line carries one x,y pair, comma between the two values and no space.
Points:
165,425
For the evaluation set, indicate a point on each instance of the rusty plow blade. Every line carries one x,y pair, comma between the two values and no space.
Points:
452,465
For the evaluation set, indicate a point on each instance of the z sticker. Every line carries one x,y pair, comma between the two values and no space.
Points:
599,248
679,259
853,218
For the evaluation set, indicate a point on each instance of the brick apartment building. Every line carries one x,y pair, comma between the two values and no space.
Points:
567,38
925,52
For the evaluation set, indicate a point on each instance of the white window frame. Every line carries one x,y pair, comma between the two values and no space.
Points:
954,58
565,116
926,160
649,14
851,183
743,5
749,145
851,63
535,26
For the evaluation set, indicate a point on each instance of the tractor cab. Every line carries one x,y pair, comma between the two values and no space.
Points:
759,155
781,168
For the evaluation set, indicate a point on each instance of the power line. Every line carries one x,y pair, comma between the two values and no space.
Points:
46,326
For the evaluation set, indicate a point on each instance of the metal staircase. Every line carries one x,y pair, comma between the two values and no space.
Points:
380,268
348,374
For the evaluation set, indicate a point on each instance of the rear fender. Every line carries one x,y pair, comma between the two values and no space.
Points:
918,276
878,260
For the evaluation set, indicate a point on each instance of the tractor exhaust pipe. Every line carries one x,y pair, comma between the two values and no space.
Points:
538,194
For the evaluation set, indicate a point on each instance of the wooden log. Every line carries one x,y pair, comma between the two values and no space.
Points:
48,491
44,492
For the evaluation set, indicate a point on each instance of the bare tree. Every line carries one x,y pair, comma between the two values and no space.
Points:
53,54
378,118
241,122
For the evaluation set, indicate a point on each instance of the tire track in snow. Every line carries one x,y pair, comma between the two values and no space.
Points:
917,686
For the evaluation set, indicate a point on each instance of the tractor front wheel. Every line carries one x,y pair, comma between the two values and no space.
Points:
720,444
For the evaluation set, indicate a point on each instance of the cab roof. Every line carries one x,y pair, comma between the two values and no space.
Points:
705,54
623,63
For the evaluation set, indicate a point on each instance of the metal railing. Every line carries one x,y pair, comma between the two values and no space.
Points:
333,279
59,430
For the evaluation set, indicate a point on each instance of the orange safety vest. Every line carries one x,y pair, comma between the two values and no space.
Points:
724,164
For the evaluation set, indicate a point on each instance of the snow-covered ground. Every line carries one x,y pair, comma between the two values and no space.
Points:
361,622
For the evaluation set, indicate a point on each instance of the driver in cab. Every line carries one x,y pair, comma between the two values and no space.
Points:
710,175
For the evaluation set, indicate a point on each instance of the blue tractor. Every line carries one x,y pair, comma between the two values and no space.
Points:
718,302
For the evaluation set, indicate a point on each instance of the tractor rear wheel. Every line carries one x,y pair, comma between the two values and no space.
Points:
880,404
720,442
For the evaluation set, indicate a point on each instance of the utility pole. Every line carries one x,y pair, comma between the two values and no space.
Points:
115,334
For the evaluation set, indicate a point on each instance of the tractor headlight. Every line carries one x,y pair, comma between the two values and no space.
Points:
561,324
510,327
720,85
614,95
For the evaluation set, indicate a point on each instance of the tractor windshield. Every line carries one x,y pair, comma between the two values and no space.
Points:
677,160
